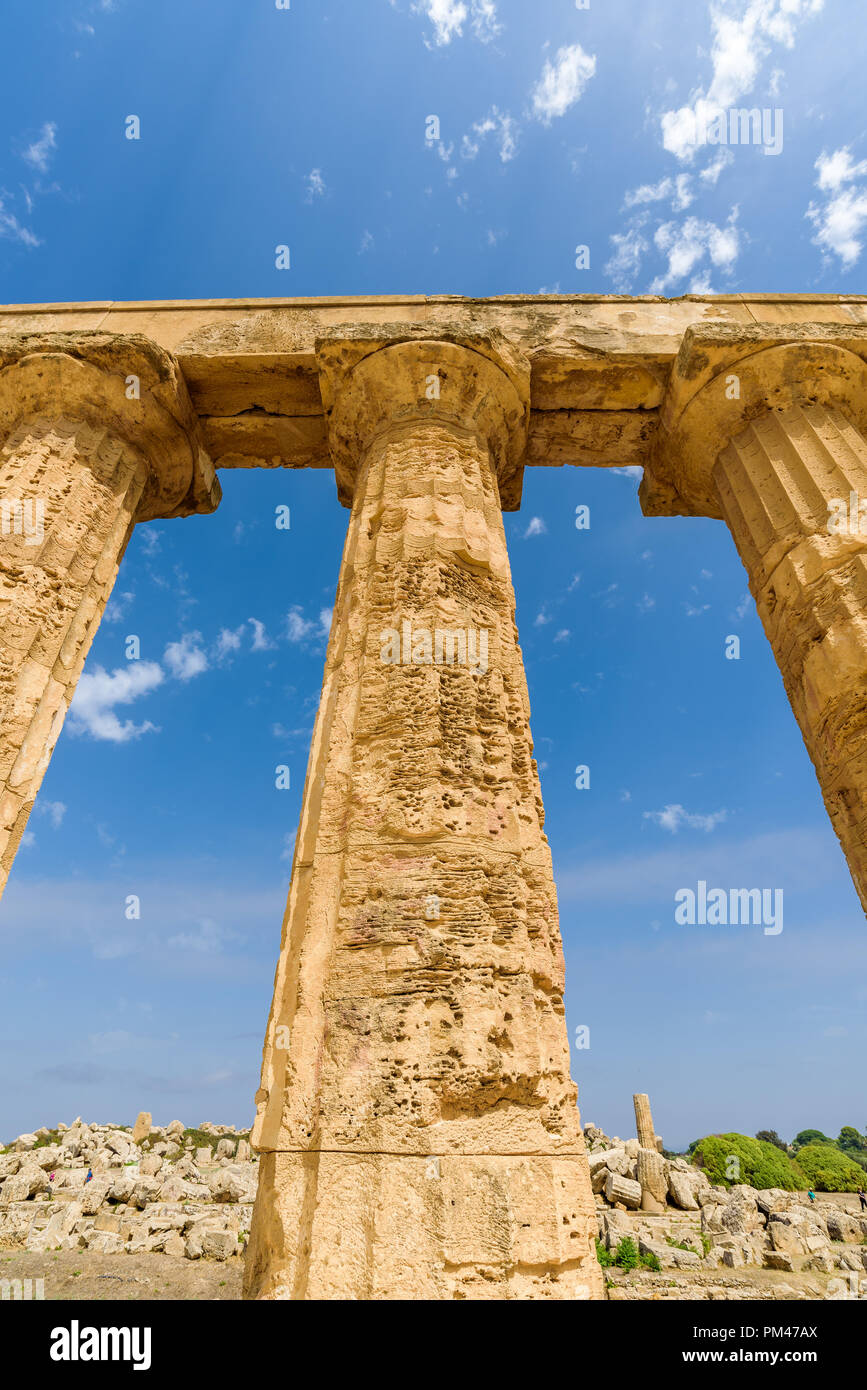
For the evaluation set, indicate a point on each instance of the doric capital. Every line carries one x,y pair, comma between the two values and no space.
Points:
381,376
726,376
121,383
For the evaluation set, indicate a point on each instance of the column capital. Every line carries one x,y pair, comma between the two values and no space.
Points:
380,375
84,378
724,377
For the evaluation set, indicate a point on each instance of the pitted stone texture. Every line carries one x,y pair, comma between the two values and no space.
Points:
777,481
79,465
53,590
418,1001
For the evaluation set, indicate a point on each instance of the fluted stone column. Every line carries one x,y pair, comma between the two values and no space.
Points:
766,428
416,1120
96,433
644,1122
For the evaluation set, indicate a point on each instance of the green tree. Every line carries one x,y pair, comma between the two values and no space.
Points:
770,1136
850,1141
810,1136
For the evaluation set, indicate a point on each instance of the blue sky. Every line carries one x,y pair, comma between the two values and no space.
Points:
558,127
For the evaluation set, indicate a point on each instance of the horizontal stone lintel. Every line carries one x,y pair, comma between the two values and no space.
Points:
600,364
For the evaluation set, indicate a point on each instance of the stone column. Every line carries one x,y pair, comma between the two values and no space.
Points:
644,1122
766,429
416,1120
96,433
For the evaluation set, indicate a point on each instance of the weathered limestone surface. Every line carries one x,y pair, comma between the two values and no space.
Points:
79,464
644,1122
776,460
417,1121
599,363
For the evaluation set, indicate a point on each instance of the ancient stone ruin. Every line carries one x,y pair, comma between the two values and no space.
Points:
417,1121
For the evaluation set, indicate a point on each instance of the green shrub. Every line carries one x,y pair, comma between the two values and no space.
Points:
830,1170
627,1254
760,1164
650,1261
603,1255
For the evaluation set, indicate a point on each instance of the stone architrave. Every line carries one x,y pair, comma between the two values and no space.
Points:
765,427
96,432
417,1122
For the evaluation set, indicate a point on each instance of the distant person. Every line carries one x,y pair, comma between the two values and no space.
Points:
812,1196
862,1198
89,1177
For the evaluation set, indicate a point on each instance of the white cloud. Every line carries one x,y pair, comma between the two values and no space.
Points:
92,709
315,185
841,221
562,82
38,154
710,174
677,190
536,527
117,606
449,17
297,626
630,470
54,810
688,244
498,123
325,616
743,31
228,642
837,168
673,818
261,641
563,635
484,21
13,230
186,659
629,249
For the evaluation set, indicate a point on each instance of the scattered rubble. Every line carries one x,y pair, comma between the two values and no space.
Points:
678,1221
115,1190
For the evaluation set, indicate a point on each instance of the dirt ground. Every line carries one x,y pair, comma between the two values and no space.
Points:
83,1275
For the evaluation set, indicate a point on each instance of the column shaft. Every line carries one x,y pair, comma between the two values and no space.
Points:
644,1122
68,495
780,482
417,1120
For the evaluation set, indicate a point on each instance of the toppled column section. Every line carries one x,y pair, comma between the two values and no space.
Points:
96,432
417,1120
647,1137
766,428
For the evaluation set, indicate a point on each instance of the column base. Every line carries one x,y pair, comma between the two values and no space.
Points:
387,1227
